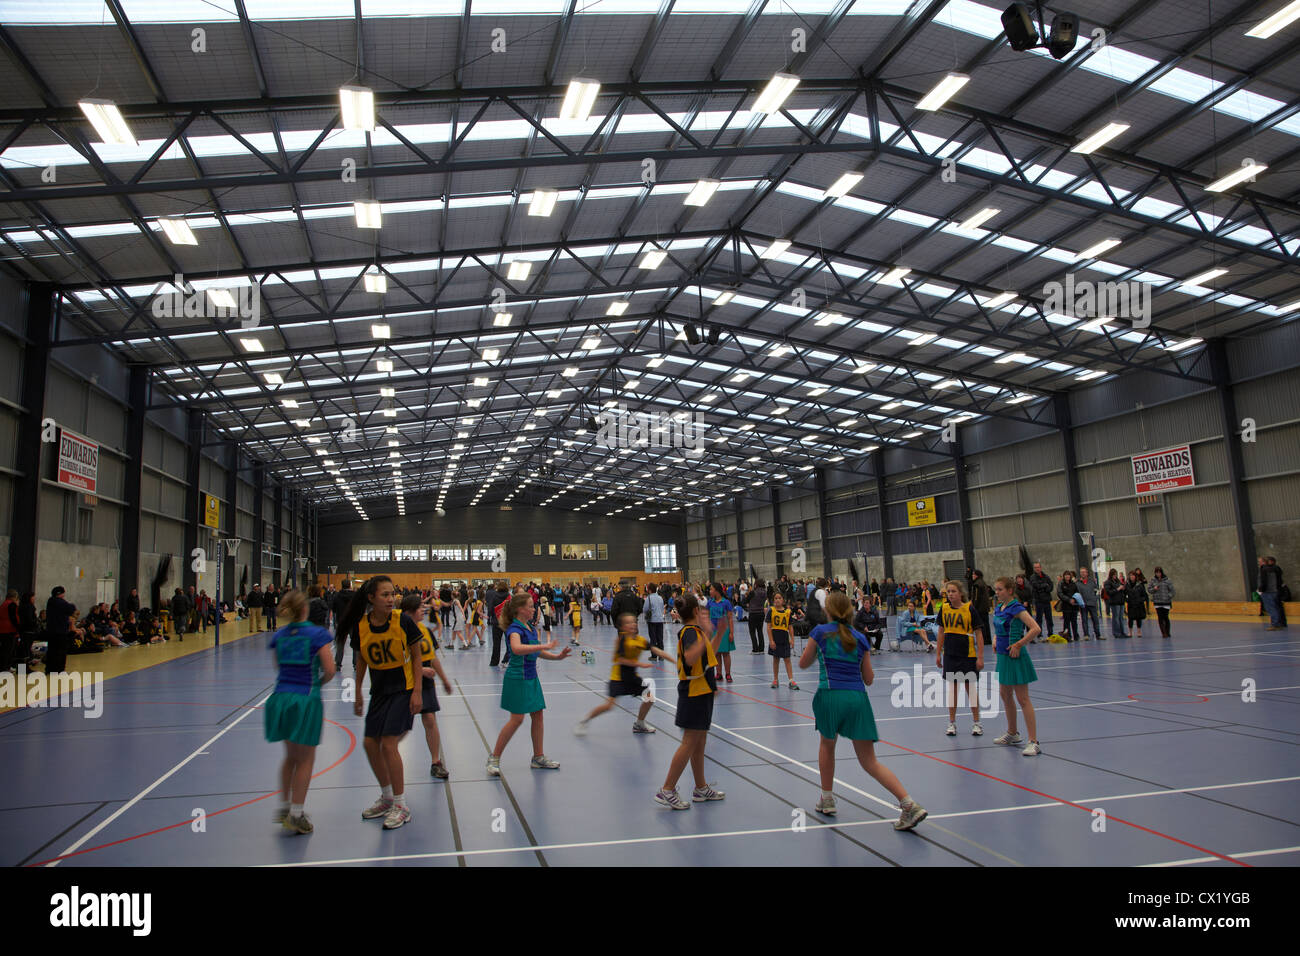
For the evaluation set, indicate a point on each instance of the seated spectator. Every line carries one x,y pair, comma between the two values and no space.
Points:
912,626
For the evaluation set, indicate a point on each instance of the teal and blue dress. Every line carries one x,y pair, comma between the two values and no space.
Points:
840,706
718,611
1007,629
521,690
293,712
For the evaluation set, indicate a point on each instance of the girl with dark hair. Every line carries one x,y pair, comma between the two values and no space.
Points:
387,641
1066,591
1162,596
521,691
430,667
1116,597
961,654
697,683
1014,628
722,617
1136,601
841,707
624,681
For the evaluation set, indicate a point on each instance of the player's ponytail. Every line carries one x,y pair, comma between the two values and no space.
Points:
838,609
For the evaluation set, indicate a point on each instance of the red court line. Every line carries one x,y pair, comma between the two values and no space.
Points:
352,744
1009,783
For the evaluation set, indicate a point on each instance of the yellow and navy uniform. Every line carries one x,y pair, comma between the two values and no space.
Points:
631,651
427,653
575,613
698,679
388,653
429,691
780,621
958,631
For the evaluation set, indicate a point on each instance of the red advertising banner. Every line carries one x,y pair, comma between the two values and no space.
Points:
1163,470
78,461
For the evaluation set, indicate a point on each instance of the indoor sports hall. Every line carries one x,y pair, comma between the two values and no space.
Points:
650,433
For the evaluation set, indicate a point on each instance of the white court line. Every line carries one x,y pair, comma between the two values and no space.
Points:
816,825
202,748
1235,856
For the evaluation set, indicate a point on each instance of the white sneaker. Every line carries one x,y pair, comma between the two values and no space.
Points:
494,766
1033,750
1009,739
952,730
977,729
580,729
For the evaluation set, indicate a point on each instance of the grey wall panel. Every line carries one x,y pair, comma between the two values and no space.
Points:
1122,395
724,523
1274,398
1274,499
6,512
997,500
1108,480
8,438
1273,350
997,532
1275,450
994,433
1048,526
105,422
1194,509
1110,519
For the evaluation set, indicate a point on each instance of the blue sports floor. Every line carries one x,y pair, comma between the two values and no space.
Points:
1154,733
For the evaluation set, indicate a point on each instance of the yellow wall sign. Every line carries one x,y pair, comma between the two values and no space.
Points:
211,511
920,511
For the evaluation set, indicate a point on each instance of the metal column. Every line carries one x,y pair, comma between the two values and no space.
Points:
708,540
1061,409
740,536
128,562
963,511
277,529
1230,425
819,481
259,525
776,530
193,459
886,551
27,456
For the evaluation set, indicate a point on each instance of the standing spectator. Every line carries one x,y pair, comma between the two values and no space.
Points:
9,628
1040,589
891,596
495,599
1136,601
28,627
180,612
755,604
981,602
1066,591
1115,594
317,607
269,602
1088,589
625,602
58,631
191,611
654,617
1162,596
132,602
1270,593
254,603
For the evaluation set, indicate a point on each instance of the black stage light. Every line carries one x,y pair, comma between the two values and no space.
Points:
692,335
715,336
1019,27
1064,35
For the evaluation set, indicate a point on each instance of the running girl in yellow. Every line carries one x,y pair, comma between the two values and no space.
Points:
430,667
575,618
961,654
624,681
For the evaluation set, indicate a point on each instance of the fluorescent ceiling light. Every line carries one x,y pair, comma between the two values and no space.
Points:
252,345
387,391
777,247
570,372
724,297
1283,309
502,319
289,402
925,338
777,91
519,270
896,275
302,422
1096,373
912,435
357,104
542,202
842,185
579,98
1001,299
384,365
829,317
390,413
1100,138
653,259
381,330
591,343
369,214
702,192
178,232
273,378
1020,399
108,122
376,282
947,383
1278,21
482,380
491,355
943,91
981,217
1096,249
617,308
1235,177
654,362
1011,357
1203,277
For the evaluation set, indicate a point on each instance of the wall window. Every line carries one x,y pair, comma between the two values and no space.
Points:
551,550
660,558
371,554
537,549
447,552
602,553
484,552
584,552
410,554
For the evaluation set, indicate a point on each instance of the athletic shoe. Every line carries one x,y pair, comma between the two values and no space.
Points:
1100,638
1009,739
910,817
396,817
706,792
1272,628
669,798
377,809
280,814
775,685
977,729
952,730
826,805
794,685
543,762
438,770
729,680
494,766
641,727
1033,750
580,729
298,824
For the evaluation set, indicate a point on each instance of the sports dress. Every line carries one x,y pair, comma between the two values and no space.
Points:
841,707
294,711
1007,629
697,683
959,651
390,652
718,611
780,621
428,692
521,691
624,681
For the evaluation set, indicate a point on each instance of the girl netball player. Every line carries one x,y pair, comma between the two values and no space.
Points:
1014,628
624,681
521,691
722,616
457,622
841,707
293,713
778,639
575,618
697,682
387,642
430,667
476,617
961,654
